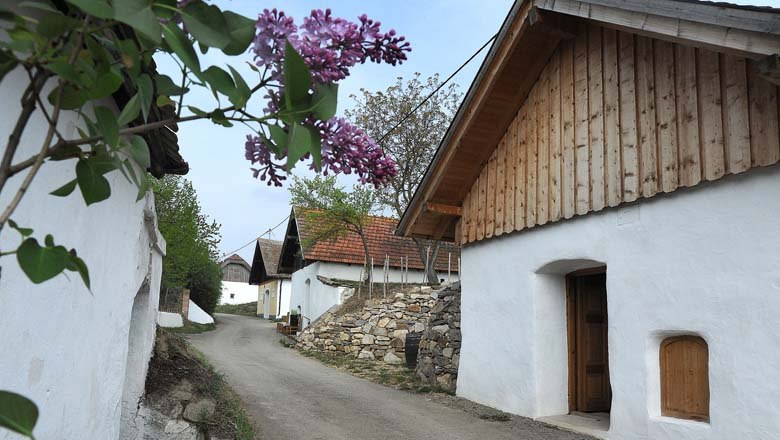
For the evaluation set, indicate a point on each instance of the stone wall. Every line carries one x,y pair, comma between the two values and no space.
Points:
378,331
439,354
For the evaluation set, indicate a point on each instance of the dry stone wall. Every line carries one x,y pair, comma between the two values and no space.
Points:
378,331
439,355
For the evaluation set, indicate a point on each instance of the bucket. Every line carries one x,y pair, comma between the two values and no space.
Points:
411,348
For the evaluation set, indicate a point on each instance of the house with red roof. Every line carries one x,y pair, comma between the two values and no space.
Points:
322,273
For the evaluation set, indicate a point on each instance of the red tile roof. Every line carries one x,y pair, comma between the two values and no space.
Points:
381,242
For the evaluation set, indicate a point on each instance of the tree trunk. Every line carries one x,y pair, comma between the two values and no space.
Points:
422,248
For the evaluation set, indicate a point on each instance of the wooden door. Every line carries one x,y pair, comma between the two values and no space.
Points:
589,362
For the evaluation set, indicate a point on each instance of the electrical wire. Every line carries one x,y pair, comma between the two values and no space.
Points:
490,40
268,232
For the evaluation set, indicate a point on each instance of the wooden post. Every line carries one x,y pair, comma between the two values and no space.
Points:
427,264
384,278
371,279
458,268
449,267
185,303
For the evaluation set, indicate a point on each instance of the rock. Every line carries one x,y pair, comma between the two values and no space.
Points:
366,315
391,358
383,322
400,333
391,325
355,330
414,308
200,410
441,328
399,315
179,429
379,331
367,340
368,327
344,336
397,343
182,391
366,355
447,352
418,327
399,305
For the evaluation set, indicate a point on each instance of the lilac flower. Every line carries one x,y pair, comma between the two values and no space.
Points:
330,47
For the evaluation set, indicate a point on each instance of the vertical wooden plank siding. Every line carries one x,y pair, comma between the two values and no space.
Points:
568,194
736,127
614,117
554,111
763,119
613,164
666,115
710,114
596,120
522,165
490,210
687,116
582,154
543,147
645,104
629,141
500,186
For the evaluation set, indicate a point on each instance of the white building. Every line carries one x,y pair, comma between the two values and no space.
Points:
235,282
318,271
612,177
81,355
273,288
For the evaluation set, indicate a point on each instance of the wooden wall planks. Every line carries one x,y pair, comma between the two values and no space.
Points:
615,117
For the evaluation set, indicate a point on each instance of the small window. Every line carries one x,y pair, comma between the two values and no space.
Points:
232,296
685,388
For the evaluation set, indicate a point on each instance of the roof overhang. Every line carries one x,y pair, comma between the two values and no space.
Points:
528,37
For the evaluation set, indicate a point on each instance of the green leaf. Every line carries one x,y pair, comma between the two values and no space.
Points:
242,32
139,151
40,5
107,125
163,100
76,264
196,110
181,46
7,63
41,263
279,136
316,146
24,231
242,92
145,94
67,152
98,8
219,80
166,86
18,413
65,71
143,186
297,81
139,15
218,117
325,101
106,83
94,187
54,25
130,112
299,144
72,98
206,23
65,190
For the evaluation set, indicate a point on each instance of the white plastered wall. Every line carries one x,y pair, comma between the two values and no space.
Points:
242,293
66,347
699,261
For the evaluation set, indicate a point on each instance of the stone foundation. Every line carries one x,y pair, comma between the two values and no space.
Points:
437,361
378,331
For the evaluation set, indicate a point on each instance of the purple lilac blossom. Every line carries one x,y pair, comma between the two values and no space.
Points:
329,47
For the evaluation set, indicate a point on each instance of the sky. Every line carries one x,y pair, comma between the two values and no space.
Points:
443,34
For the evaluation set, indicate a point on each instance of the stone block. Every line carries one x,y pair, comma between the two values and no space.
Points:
365,354
447,352
391,358
367,340
383,322
199,410
400,333
414,308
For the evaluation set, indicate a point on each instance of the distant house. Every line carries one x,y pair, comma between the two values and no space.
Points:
273,296
316,270
612,176
235,282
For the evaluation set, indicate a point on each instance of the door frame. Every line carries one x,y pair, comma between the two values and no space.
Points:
571,329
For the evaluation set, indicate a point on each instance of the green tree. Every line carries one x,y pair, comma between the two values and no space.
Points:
333,211
410,139
191,239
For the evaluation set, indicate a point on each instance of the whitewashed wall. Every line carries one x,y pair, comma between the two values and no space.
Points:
285,297
72,351
198,315
243,293
702,261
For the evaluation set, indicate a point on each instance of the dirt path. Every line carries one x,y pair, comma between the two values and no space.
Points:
289,396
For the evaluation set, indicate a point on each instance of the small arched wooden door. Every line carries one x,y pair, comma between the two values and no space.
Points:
685,389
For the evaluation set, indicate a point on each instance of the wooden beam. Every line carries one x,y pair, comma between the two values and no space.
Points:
560,25
441,208
769,68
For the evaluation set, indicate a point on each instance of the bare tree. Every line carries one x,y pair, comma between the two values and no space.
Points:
411,144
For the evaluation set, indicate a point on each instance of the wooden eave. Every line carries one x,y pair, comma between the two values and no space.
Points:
528,37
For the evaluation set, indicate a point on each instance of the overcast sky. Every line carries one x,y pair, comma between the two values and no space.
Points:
443,34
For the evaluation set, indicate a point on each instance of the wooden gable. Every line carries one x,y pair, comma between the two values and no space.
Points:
614,117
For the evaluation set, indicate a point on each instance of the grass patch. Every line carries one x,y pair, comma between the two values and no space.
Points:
174,362
246,309
394,376
190,328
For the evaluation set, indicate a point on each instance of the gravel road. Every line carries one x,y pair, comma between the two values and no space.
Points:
289,396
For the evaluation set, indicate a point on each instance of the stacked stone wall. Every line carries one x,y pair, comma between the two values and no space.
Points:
378,331
439,355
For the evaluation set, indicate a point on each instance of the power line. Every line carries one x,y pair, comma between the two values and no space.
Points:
437,89
268,232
